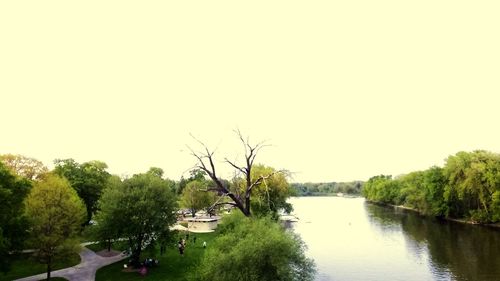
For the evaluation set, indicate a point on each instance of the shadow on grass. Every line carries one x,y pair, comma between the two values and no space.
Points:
24,265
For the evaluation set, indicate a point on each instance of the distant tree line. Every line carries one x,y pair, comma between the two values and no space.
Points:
467,187
328,188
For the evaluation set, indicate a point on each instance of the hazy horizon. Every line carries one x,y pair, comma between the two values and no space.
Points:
342,91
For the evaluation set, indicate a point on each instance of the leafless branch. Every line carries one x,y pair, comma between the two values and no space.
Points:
235,166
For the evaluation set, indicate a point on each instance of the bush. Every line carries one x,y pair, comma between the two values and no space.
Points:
254,249
479,216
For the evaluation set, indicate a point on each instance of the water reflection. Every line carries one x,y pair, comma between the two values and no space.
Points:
456,251
351,240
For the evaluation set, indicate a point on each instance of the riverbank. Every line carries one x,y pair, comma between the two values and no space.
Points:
406,208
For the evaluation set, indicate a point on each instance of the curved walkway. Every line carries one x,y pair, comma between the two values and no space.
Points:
84,271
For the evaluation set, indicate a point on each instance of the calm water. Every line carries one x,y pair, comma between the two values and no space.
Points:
352,240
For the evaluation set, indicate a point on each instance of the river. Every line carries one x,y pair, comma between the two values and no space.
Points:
352,240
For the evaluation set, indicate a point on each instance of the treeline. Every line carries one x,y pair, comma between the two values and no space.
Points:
328,188
467,187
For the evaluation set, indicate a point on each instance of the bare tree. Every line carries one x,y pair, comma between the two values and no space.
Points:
241,199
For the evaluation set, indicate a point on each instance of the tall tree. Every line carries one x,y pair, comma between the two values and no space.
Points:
140,209
434,183
13,225
56,213
241,197
23,166
473,179
88,179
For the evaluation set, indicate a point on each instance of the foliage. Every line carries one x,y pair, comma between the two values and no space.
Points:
254,249
270,195
106,229
468,186
326,188
473,179
23,166
13,225
155,171
55,213
195,196
195,175
140,209
88,179
380,189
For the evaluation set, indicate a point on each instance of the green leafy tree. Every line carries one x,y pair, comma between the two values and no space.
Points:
55,213
434,183
140,209
155,171
270,194
381,189
250,249
412,192
195,196
106,231
23,166
13,225
473,179
88,179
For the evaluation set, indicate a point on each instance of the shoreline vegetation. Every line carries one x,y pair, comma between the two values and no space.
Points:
466,189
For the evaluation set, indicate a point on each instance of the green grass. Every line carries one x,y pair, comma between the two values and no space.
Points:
172,267
24,266
119,246
56,279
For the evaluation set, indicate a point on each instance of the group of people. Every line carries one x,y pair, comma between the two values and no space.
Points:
182,243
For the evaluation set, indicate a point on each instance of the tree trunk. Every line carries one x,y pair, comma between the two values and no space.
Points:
49,268
109,245
136,252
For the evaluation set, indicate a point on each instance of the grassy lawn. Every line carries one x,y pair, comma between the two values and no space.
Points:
118,245
24,266
172,267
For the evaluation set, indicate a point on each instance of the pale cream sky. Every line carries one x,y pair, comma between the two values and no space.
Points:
344,90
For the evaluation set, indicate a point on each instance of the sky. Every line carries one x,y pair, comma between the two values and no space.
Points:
341,90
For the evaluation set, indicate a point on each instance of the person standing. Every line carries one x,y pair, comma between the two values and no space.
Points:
181,248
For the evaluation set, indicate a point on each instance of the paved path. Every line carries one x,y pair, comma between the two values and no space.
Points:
84,271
